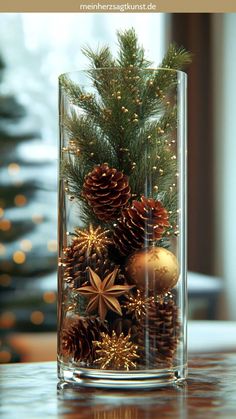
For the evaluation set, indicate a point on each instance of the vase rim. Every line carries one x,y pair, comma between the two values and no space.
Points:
149,69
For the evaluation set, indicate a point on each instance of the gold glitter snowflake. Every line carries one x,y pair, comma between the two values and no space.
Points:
92,240
136,305
115,352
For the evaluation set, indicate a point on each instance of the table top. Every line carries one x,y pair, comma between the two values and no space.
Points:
29,391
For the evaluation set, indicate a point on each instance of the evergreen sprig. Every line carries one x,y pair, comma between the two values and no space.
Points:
131,54
127,119
176,58
88,139
102,58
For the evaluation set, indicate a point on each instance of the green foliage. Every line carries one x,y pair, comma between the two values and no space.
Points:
127,119
102,58
176,58
130,52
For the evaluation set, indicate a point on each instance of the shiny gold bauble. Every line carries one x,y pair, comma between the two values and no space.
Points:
155,269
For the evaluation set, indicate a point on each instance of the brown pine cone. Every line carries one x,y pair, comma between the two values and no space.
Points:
140,225
161,329
76,266
107,191
88,249
78,336
124,325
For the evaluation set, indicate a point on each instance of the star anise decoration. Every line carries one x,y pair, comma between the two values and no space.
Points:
103,294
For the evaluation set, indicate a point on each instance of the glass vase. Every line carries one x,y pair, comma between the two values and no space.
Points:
122,228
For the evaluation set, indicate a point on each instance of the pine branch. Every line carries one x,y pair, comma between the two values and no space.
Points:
160,83
176,58
95,112
74,170
154,170
131,54
153,149
168,121
102,58
156,132
169,200
74,174
101,69
79,97
105,119
90,143
73,91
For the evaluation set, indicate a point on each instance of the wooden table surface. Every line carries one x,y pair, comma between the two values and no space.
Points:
29,391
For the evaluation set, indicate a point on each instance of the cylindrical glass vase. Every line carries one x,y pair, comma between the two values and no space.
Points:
122,228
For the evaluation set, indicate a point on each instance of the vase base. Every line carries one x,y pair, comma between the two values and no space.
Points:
93,378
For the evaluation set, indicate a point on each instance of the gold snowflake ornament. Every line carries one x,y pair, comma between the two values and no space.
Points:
137,305
92,240
115,352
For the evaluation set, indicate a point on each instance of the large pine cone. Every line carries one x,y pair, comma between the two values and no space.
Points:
140,225
161,329
107,191
88,249
78,336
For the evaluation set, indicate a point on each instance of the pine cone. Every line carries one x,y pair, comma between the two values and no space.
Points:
140,225
107,191
76,265
125,326
88,249
78,336
161,329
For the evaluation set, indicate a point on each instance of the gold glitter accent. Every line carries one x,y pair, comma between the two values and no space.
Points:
92,240
116,352
136,305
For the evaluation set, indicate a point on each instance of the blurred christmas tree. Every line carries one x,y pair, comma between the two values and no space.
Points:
27,233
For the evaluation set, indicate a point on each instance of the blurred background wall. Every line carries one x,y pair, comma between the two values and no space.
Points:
34,50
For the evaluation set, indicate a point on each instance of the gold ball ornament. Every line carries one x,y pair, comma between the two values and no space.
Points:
156,269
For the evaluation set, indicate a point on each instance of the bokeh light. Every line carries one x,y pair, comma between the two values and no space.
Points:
37,218
7,320
26,245
19,257
13,169
37,317
52,245
5,224
49,297
20,200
